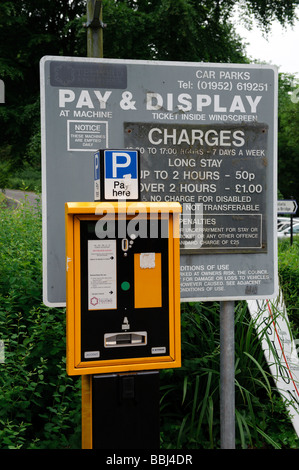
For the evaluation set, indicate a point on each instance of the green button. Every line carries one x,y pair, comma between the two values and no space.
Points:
125,285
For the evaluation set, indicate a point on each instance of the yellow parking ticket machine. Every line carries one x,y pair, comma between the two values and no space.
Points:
123,286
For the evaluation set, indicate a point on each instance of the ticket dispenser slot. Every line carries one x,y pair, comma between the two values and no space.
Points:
123,308
114,340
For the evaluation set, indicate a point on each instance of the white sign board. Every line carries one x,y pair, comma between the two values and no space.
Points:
206,134
287,206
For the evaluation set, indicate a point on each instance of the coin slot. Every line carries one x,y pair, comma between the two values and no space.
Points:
125,244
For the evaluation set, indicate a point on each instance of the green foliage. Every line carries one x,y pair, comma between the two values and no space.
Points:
4,174
188,394
171,30
190,402
39,403
266,11
28,31
27,178
288,258
288,140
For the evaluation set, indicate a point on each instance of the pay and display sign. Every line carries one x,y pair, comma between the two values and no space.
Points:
206,135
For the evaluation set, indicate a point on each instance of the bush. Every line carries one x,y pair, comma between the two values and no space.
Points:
27,178
288,260
4,172
39,403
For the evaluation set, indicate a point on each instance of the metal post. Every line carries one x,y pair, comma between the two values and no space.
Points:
94,27
227,375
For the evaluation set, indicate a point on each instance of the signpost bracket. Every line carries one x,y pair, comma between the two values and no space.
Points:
96,22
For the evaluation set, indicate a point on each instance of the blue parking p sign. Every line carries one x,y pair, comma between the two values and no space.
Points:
121,174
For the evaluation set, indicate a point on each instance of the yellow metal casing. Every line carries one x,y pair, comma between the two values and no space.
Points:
86,411
143,296
147,285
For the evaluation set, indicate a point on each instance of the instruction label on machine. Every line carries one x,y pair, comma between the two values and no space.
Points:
101,274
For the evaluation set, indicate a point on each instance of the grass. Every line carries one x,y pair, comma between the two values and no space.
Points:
190,404
26,178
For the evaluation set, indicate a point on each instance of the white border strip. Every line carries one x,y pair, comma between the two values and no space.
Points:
273,328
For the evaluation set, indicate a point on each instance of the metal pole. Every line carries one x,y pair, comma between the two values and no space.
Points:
227,375
94,27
